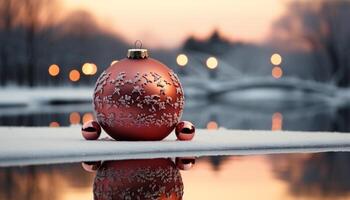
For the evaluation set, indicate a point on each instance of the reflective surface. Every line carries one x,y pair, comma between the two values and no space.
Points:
291,176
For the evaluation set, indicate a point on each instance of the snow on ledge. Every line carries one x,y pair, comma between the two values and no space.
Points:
43,145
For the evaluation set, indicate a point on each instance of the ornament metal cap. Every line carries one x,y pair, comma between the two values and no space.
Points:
138,53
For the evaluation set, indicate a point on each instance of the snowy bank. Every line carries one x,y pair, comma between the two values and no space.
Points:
24,146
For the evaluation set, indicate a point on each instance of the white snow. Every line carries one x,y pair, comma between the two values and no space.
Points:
42,145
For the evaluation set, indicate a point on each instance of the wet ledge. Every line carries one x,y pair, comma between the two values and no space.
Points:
43,145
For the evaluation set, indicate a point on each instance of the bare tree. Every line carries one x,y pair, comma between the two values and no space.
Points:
8,10
22,21
34,21
32,37
323,27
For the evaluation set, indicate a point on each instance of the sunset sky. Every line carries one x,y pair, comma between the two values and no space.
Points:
160,23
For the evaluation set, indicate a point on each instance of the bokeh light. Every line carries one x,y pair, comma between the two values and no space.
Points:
212,63
74,118
74,75
54,124
277,72
277,121
212,125
182,60
114,61
87,117
276,59
54,70
89,69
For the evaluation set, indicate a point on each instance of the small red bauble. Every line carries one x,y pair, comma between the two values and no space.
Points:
185,130
138,98
185,163
91,130
138,179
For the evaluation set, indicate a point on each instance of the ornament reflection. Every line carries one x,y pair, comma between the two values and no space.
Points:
91,166
157,178
185,163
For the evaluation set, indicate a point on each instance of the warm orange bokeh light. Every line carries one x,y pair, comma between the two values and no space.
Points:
54,124
277,121
182,60
74,75
74,118
277,72
114,61
212,125
212,63
276,59
87,117
54,70
89,69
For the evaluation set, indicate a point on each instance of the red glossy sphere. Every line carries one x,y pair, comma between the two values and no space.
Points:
138,99
185,130
185,163
138,179
91,130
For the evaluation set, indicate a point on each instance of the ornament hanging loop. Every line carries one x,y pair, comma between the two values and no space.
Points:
137,52
138,44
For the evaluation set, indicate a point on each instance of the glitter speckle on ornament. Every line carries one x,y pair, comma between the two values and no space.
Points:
138,98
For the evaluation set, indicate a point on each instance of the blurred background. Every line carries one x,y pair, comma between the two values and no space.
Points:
269,65
273,64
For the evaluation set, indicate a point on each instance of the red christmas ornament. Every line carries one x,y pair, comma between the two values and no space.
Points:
138,98
185,130
138,179
91,130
